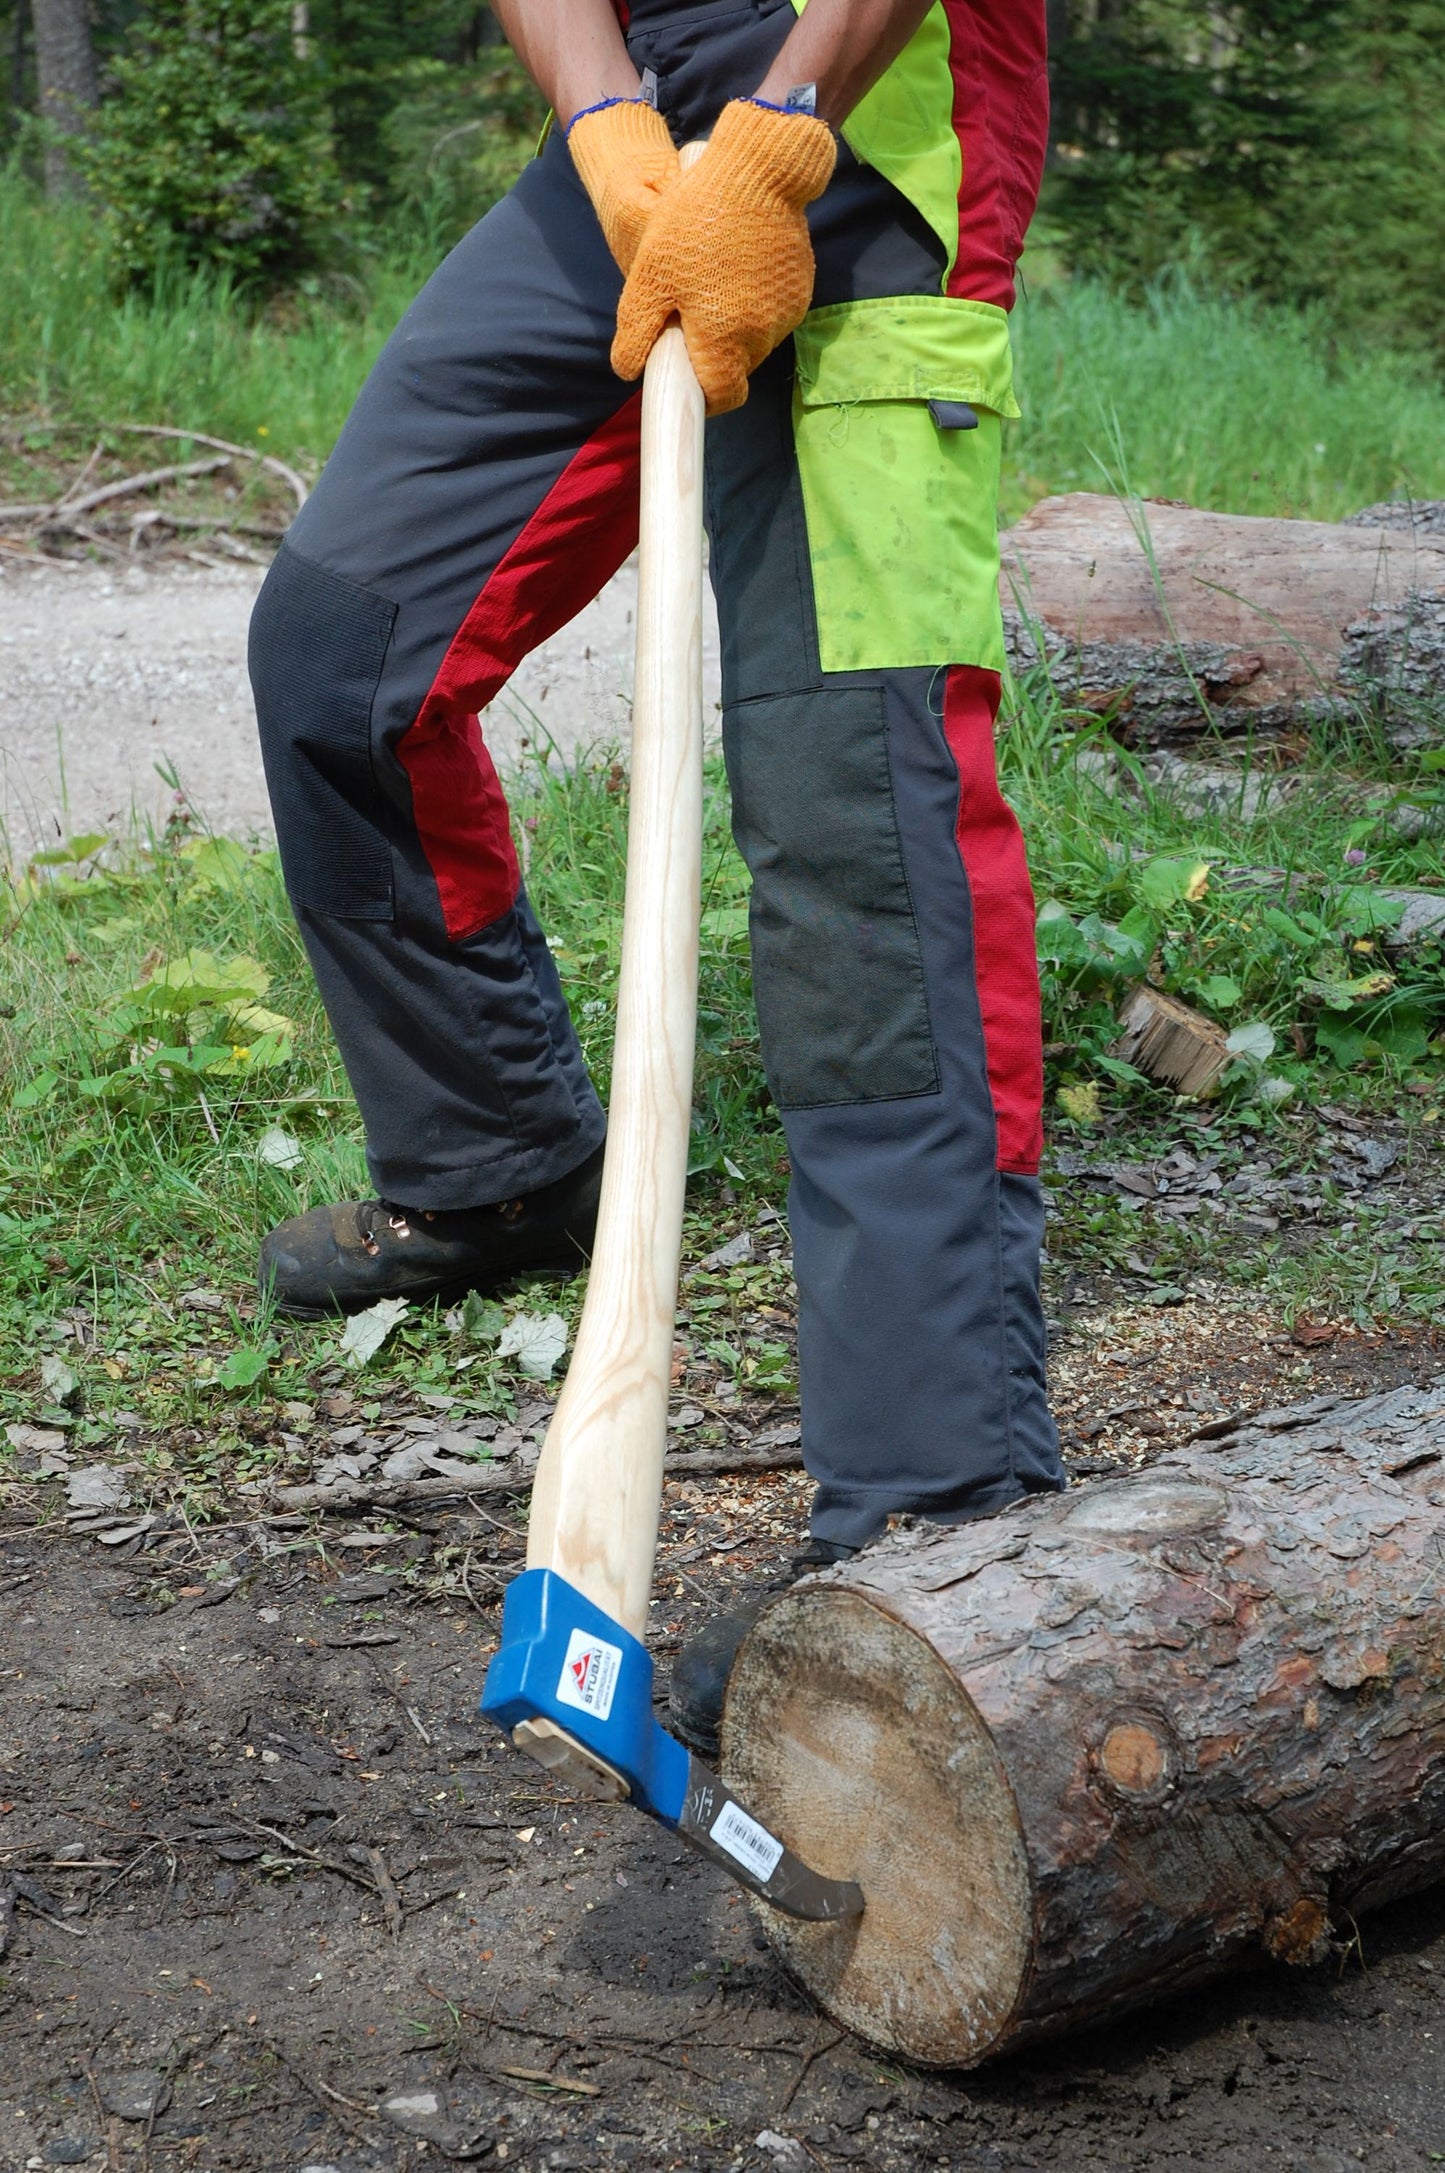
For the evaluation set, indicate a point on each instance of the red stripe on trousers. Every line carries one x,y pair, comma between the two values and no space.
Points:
573,544
1006,968
998,54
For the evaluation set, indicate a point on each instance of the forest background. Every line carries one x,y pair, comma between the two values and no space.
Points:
1288,150
1293,148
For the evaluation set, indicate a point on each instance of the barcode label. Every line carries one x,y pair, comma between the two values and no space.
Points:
746,1841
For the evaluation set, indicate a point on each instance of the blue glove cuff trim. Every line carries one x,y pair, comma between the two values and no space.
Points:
600,107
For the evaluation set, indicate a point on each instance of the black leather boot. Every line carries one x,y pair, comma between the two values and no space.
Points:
701,1670
339,1259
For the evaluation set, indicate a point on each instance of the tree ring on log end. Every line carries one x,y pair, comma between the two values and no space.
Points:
1150,1510
1135,1757
847,1734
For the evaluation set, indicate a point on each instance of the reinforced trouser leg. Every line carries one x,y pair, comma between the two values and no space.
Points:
482,492
893,966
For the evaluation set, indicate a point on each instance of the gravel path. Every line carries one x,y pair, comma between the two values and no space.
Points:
103,675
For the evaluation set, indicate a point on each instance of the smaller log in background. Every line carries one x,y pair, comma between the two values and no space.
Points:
1176,623
1106,1744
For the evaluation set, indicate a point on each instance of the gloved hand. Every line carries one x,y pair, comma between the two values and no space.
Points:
625,158
727,250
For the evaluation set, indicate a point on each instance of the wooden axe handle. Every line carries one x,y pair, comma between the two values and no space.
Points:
598,1488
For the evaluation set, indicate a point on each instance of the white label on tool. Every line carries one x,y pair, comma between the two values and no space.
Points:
589,1674
746,1841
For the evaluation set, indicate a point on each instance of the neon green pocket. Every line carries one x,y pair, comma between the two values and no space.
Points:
902,512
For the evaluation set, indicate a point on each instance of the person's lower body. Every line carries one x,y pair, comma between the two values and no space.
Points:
483,490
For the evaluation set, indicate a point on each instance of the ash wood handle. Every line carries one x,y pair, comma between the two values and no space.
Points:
598,1487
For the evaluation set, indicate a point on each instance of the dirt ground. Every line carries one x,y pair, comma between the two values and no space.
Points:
284,1903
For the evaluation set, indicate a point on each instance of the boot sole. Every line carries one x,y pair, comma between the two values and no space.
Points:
553,1271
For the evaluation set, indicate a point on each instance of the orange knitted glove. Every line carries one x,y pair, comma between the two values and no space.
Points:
728,252
625,158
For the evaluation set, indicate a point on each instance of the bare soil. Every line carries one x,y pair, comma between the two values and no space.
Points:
273,1875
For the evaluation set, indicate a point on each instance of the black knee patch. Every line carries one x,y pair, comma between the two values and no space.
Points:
317,647
837,970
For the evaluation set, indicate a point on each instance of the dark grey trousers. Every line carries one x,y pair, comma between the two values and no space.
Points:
482,491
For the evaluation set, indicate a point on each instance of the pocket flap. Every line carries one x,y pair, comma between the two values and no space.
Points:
906,347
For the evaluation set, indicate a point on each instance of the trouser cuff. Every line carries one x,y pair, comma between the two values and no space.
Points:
852,1520
504,1176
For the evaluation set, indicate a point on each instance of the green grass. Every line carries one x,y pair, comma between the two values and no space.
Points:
75,352
1226,403
161,1043
169,1089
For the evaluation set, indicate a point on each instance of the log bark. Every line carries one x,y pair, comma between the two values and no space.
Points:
1106,1744
1173,622
68,78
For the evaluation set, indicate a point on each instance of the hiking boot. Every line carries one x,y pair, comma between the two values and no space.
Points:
339,1259
700,1673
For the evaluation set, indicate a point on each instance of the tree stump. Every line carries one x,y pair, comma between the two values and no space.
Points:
1225,622
1105,1744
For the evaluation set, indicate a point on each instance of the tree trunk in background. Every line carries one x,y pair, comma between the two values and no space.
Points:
17,63
68,78
1058,26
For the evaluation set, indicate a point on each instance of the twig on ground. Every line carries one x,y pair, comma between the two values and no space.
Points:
163,517
480,1605
552,2082
149,1850
223,445
85,534
389,1493
815,2053
327,1863
386,1887
84,476
36,558
330,2099
68,508
108,2124
429,1901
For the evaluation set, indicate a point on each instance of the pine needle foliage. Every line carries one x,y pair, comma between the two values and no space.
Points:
1296,146
214,148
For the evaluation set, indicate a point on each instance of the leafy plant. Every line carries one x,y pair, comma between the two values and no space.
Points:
458,138
190,1019
214,149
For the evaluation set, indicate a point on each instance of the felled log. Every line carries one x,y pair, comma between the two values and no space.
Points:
1172,622
1104,1745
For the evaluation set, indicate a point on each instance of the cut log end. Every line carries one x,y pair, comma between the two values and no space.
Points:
873,1765
1169,1041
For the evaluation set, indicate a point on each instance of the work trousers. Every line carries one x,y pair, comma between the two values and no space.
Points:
483,490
